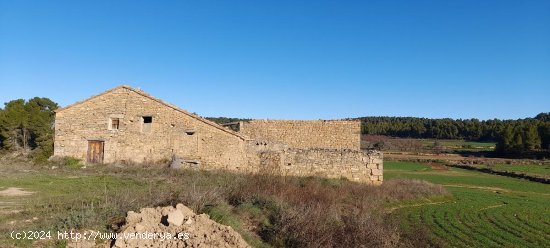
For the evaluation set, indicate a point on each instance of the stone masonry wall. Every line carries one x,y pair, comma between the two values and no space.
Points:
336,134
360,166
172,132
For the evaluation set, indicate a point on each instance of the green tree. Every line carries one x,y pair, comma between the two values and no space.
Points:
41,119
544,132
14,125
28,125
531,138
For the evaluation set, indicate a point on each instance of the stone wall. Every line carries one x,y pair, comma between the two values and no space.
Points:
172,132
336,134
359,166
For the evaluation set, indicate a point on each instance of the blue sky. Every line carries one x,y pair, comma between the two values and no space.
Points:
286,59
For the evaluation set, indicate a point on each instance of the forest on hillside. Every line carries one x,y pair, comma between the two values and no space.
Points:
512,136
28,126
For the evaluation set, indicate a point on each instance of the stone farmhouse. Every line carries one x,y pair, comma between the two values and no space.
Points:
127,125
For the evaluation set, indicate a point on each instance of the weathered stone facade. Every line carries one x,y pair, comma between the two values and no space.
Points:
330,134
126,124
172,131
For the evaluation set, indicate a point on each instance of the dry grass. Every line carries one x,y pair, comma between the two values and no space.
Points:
266,210
327,213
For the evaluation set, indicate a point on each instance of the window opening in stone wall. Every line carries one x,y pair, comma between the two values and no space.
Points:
115,123
147,121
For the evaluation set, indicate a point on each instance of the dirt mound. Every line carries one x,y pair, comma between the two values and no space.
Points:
175,227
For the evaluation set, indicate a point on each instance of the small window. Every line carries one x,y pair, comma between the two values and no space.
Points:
146,124
115,123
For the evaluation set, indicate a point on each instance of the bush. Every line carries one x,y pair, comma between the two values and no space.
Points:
71,162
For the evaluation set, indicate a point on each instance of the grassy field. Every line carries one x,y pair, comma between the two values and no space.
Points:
426,145
268,211
476,209
485,210
531,169
460,145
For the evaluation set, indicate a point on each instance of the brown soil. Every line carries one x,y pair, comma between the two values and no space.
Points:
15,192
200,230
438,166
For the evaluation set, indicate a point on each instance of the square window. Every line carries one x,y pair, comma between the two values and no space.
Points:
115,123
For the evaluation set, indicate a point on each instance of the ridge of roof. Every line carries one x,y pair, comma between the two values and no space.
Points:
143,93
90,98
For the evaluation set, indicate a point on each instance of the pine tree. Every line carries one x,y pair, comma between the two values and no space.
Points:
13,125
28,125
531,139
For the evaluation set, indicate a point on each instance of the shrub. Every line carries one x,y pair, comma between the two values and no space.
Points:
71,162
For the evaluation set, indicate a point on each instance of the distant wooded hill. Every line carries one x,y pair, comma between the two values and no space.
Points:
510,135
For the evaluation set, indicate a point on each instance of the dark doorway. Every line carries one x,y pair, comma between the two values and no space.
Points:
95,151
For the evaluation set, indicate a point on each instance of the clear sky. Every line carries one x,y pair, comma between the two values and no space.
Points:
286,59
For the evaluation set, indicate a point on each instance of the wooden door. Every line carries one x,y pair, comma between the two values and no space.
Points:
95,151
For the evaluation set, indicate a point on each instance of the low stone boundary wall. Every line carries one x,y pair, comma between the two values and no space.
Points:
360,166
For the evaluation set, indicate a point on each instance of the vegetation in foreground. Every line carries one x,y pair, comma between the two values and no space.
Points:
485,210
268,211
481,209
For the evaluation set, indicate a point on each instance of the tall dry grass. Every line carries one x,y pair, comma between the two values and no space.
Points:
293,211
267,210
311,212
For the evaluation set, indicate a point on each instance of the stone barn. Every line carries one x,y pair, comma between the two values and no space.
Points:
128,125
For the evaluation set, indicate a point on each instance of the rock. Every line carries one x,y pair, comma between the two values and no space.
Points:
175,218
376,172
133,217
198,231
189,222
180,163
187,212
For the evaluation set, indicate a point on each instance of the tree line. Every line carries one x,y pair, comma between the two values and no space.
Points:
511,135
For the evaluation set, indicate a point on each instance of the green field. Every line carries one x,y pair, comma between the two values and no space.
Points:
484,211
460,145
532,169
